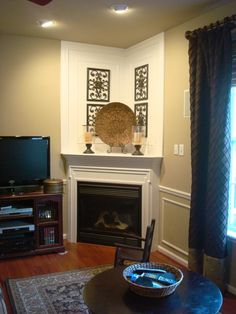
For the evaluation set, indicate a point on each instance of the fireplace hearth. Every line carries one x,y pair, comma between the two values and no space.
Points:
107,212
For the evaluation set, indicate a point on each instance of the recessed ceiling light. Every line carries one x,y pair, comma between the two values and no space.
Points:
46,24
120,8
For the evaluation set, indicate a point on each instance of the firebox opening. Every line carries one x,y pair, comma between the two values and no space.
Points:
108,212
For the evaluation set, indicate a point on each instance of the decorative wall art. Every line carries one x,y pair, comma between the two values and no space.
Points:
141,115
98,85
114,123
141,83
92,110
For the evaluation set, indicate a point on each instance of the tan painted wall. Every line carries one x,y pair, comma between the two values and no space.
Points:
30,92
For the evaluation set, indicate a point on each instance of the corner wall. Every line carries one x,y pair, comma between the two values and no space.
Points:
76,58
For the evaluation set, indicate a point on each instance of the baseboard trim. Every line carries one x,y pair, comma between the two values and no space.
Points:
231,289
175,257
181,261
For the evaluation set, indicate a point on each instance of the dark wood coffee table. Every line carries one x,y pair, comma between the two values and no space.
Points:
109,293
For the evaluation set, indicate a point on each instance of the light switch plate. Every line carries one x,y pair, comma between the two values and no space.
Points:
176,149
181,149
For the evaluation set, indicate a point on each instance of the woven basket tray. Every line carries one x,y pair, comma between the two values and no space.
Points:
150,291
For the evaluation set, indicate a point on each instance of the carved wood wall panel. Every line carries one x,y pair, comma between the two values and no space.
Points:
92,110
98,85
141,115
141,83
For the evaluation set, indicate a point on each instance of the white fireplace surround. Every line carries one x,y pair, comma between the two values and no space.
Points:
105,167
147,178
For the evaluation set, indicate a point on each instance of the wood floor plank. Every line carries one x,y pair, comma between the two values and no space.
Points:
77,255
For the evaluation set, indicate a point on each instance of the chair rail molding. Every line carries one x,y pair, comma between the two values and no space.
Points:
181,194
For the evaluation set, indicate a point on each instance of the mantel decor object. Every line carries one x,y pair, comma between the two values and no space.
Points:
113,124
88,138
137,139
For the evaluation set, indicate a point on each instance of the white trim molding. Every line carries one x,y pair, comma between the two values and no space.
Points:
231,289
168,247
143,177
172,255
175,192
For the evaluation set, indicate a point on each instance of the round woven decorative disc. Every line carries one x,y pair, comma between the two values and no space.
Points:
113,124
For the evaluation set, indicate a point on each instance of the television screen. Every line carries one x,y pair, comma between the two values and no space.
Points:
24,160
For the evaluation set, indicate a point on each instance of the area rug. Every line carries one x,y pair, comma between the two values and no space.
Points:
52,293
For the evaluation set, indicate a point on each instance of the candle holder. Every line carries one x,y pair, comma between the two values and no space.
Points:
137,140
88,138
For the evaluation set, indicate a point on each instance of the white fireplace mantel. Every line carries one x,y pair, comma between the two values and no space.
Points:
144,170
118,169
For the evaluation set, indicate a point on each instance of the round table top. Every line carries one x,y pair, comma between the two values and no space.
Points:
109,293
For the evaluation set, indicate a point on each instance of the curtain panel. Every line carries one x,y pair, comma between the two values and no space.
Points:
210,60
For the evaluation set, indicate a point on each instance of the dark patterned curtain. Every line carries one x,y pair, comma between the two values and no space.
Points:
210,60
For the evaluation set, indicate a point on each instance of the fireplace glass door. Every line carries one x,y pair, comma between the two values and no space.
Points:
106,212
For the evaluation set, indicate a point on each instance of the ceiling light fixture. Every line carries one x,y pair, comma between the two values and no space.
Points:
120,8
47,24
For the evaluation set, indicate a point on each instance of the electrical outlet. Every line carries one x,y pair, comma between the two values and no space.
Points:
181,149
176,149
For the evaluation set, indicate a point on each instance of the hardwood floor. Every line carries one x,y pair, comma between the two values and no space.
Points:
77,256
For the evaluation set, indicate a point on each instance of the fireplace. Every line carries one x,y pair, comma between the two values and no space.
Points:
141,173
106,212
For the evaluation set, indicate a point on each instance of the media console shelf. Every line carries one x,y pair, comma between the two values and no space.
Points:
30,223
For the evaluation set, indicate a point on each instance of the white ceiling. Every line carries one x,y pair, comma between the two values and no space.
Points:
93,21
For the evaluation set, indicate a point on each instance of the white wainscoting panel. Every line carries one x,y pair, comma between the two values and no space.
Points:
174,221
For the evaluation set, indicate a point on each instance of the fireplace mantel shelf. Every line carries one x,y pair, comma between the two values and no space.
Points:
111,155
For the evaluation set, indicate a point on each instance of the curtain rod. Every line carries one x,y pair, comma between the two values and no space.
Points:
226,20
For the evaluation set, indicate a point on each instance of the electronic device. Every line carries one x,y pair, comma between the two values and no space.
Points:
24,161
7,227
15,211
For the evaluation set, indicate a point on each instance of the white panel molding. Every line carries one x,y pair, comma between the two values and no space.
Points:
76,57
164,241
164,199
181,194
176,248
231,289
172,255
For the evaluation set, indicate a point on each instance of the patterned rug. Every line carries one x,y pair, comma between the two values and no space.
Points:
52,293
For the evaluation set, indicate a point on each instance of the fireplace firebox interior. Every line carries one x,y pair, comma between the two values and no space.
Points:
107,213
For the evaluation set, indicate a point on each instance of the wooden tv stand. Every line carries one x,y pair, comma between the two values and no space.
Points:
30,224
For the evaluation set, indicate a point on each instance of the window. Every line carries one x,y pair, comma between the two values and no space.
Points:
232,193
232,182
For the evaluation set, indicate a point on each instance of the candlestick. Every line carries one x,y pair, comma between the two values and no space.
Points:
88,138
137,139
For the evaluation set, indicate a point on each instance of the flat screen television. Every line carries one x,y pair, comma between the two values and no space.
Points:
24,161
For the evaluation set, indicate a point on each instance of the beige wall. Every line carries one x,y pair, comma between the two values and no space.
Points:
30,92
176,170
